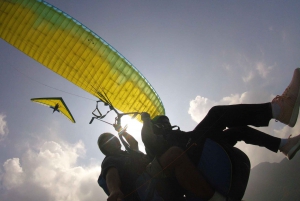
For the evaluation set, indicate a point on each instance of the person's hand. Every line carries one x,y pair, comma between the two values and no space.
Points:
145,116
115,196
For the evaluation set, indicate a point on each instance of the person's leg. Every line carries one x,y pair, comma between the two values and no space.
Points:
250,136
220,117
289,147
283,108
175,162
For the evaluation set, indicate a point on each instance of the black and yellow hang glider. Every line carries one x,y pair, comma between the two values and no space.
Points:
57,104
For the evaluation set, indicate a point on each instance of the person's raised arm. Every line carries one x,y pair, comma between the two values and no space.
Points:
113,183
131,141
129,138
148,135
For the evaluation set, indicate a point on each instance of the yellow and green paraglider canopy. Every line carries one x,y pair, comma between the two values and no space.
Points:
57,104
73,51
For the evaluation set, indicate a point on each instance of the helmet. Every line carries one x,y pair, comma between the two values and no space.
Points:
159,119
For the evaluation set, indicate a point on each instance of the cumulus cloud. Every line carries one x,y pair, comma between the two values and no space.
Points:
3,127
13,173
200,106
50,173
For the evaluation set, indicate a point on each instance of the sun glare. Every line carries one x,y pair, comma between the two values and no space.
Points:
134,126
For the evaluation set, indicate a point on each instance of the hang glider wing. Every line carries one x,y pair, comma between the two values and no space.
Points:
70,49
57,104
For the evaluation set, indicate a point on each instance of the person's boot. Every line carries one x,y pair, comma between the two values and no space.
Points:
291,147
289,101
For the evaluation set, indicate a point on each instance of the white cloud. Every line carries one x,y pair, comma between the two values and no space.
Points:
51,173
249,77
13,176
3,127
263,70
199,108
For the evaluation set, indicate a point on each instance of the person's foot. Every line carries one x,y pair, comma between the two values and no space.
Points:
289,101
291,147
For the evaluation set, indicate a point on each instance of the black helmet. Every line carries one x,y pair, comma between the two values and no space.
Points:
159,118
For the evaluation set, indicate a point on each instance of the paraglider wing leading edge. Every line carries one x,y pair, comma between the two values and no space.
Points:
70,49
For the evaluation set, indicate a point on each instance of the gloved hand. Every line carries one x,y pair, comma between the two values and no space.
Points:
145,115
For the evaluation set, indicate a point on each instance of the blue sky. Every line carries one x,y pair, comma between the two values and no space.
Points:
196,54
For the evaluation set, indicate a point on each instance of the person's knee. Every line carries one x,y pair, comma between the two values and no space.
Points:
155,169
172,155
216,109
175,150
